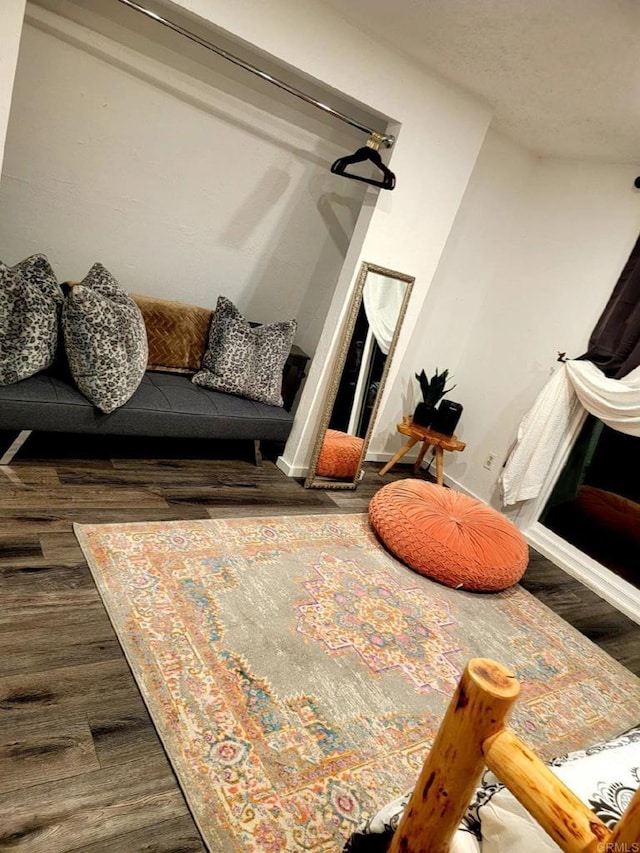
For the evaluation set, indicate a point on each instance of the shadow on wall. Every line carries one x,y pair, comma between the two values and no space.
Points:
273,292
328,206
338,215
250,214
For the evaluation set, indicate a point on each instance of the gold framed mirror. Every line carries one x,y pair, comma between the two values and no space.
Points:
374,319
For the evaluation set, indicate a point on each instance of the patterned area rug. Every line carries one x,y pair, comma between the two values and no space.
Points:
297,673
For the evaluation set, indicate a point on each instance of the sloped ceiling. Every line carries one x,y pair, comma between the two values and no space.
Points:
562,76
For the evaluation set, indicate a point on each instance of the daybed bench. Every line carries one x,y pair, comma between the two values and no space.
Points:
165,405
88,357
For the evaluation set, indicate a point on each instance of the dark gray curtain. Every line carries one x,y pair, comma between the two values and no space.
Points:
614,345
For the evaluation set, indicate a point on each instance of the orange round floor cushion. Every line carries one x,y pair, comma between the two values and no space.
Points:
340,455
448,536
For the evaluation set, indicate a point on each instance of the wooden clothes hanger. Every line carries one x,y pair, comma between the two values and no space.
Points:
367,152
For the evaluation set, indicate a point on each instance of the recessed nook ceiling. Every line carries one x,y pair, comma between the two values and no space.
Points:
562,76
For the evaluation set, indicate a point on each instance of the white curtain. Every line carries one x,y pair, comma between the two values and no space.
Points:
382,302
575,385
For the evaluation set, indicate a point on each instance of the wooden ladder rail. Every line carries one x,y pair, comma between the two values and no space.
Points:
472,736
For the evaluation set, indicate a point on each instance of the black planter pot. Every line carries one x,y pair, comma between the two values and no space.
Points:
424,414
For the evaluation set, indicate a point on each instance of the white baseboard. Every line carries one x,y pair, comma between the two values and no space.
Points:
290,470
622,595
411,457
457,486
381,457
385,456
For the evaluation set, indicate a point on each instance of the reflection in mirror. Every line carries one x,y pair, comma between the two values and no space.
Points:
373,323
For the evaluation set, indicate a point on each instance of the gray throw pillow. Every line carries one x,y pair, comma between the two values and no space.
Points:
105,339
244,360
30,303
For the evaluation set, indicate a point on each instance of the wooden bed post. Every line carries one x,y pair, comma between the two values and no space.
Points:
478,710
625,838
564,817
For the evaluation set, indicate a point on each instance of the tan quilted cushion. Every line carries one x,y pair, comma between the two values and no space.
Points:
177,333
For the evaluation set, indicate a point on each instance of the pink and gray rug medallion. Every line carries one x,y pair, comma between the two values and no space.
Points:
297,673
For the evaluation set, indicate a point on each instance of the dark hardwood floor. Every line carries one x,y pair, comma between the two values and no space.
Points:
81,767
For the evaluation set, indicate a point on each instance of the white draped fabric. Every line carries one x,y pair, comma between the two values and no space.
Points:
576,385
382,303
616,402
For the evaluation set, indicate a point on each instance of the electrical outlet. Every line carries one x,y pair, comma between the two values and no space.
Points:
491,458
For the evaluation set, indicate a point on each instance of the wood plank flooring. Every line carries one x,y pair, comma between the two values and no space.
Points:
81,766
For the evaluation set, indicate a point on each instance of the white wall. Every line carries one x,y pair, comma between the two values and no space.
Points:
183,189
489,220
11,16
535,252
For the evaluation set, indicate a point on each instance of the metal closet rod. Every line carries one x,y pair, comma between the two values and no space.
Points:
384,139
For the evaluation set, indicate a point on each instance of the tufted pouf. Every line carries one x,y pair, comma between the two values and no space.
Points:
448,536
340,455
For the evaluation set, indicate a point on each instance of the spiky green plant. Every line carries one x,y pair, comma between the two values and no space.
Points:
433,390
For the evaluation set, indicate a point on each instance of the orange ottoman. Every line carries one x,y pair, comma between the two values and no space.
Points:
339,455
448,536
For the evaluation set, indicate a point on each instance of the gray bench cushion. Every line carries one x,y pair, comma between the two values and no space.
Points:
165,404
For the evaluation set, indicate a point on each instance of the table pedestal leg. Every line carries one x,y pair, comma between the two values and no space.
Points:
440,466
425,447
405,449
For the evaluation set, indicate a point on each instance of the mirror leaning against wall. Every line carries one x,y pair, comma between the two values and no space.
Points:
373,323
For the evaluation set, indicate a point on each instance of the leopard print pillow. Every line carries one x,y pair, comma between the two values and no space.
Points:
244,360
30,304
105,339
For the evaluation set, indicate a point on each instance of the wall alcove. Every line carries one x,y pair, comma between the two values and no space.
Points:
187,177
